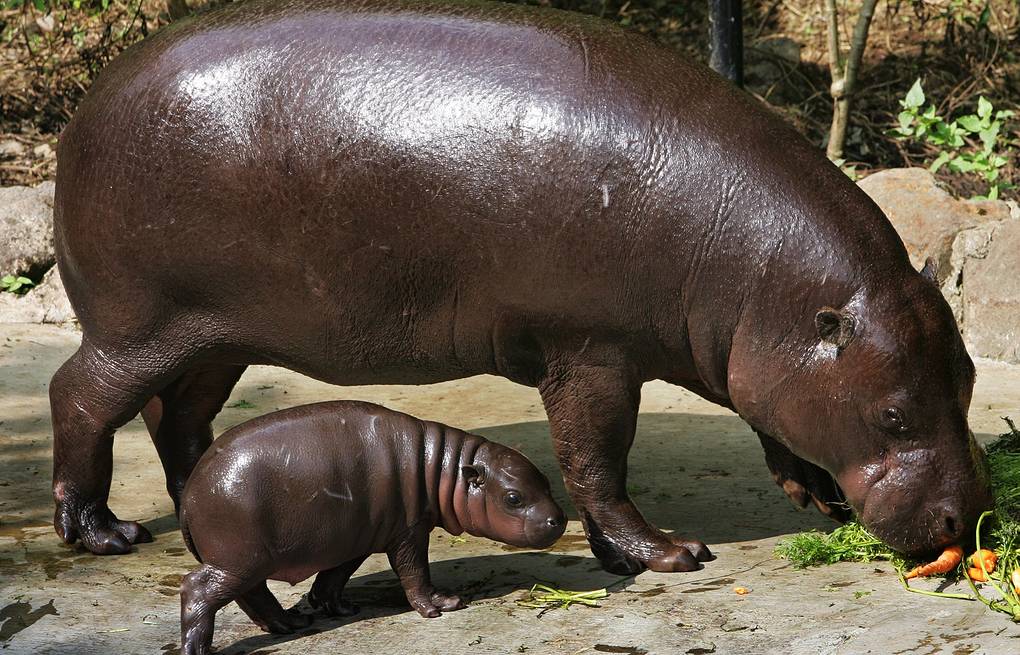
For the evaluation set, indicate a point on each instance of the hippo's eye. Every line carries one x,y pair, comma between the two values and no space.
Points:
512,499
893,420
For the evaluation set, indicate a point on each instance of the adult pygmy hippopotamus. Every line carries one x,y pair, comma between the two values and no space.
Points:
387,191
321,487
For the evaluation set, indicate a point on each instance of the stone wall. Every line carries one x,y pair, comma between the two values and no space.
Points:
976,244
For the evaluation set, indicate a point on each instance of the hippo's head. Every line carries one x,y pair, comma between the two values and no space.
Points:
508,499
879,399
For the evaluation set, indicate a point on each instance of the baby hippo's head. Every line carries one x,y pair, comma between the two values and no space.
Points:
509,500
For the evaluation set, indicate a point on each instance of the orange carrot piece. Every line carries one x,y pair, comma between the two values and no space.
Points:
977,575
988,556
947,561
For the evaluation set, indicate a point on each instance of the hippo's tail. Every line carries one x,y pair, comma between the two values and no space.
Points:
187,535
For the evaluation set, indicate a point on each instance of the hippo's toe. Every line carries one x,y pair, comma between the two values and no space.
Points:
447,603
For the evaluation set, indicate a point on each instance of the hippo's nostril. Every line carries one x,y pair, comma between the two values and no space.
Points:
952,526
553,523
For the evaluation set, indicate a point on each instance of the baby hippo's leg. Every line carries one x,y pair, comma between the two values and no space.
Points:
262,607
410,559
328,588
203,592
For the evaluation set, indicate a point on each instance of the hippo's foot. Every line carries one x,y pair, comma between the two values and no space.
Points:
804,482
438,603
630,551
288,622
265,611
96,526
332,604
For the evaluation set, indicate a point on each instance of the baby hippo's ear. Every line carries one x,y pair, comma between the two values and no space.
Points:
474,474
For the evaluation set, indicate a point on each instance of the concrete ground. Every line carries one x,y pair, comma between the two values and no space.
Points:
695,468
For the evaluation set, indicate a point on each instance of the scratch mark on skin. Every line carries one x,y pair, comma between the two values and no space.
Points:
346,496
605,196
587,60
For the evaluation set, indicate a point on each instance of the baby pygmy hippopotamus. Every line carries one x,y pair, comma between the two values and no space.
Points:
318,488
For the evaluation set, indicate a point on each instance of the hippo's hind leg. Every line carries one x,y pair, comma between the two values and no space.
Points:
803,481
592,416
95,392
409,557
328,588
203,592
265,610
179,419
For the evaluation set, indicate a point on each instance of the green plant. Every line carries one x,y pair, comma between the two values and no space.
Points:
973,143
548,598
847,543
16,284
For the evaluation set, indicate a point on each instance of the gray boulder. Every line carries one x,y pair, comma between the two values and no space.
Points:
44,303
926,217
26,230
983,287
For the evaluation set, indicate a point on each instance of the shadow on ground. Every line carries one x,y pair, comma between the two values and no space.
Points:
701,474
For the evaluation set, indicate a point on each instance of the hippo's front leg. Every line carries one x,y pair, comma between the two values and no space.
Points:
592,415
409,557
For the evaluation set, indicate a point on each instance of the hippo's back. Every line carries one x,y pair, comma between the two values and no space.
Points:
439,181
389,145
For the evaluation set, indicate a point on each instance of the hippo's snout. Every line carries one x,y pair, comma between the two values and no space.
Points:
546,527
943,515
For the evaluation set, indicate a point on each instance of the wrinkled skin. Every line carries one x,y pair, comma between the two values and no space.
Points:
396,192
318,488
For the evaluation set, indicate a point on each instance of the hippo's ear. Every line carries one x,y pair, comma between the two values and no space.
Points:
474,474
835,326
931,270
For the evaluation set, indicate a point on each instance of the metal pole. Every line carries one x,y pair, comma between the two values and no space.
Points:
727,34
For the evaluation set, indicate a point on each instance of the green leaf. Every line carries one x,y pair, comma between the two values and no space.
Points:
962,165
970,122
915,96
906,118
984,16
993,193
1004,113
940,161
984,108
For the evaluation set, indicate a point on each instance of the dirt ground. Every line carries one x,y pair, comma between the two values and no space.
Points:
695,468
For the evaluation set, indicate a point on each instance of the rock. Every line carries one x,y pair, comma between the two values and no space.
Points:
43,151
45,303
26,230
11,148
767,58
925,216
986,268
780,47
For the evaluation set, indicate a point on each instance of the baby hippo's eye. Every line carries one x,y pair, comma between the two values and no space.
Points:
512,499
893,419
